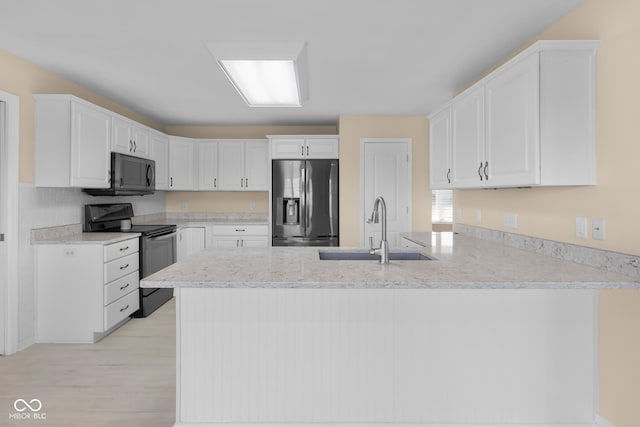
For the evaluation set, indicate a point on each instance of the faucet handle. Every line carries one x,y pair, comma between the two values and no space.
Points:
370,242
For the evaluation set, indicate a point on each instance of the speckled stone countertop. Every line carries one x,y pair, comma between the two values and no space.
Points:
461,263
87,238
194,220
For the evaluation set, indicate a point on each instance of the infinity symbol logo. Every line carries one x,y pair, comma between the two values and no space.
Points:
21,405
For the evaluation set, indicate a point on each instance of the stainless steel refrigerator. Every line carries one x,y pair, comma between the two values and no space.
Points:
305,202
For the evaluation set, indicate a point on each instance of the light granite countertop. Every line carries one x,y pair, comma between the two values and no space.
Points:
461,262
87,238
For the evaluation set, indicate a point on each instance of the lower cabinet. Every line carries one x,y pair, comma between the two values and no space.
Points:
85,290
190,241
240,236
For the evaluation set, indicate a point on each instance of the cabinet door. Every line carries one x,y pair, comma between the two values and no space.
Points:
440,150
122,136
181,164
287,148
467,141
226,241
159,147
256,161
141,142
254,242
322,148
513,128
208,165
190,241
231,166
90,147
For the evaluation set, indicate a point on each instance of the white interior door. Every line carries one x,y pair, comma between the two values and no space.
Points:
386,172
3,225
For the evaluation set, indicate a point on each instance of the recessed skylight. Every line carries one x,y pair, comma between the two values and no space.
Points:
265,74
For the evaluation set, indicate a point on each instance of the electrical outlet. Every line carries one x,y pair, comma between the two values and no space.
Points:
581,228
478,216
185,206
252,207
598,229
510,220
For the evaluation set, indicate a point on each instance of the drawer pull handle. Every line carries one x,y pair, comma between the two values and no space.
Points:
124,267
124,249
240,230
124,287
123,309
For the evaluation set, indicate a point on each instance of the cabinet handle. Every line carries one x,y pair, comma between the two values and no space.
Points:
123,309
307,150
171,184
480,171
130,145
246,183
240,230
124,267
449,176
486,175
124,287
135,147
237,243
242,243
302,150
110,176
215,182
241,180
124,249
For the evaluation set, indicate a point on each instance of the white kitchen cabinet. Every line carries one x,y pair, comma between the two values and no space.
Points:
159,152
85,290
535,125
304,146
181,163
467,140
129,138
208,165
440,149
243,165
190,241
240,235
72,143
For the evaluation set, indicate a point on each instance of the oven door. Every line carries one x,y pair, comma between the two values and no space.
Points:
157,252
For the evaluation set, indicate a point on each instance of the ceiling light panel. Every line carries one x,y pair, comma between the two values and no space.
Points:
266,74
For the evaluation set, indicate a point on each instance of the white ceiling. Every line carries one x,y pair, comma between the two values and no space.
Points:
366,57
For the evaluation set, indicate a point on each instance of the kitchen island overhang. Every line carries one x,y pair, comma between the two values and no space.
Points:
326,342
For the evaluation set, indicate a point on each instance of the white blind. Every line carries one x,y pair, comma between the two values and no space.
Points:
442,206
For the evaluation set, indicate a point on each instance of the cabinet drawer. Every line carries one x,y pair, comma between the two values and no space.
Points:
121,309
241,230
120,249
121,287
120,267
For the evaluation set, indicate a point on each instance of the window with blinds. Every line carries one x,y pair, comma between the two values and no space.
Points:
442,206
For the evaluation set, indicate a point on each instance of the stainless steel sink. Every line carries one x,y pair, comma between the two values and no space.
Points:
364,255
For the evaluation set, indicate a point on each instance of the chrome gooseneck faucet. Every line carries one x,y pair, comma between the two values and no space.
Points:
383,250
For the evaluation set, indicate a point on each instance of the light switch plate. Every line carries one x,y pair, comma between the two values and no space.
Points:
581,228
598,229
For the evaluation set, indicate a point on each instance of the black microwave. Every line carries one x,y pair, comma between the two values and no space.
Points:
129,176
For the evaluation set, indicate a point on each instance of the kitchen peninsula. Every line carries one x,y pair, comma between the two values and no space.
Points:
482,335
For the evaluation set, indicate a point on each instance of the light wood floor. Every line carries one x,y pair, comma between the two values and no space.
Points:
125,380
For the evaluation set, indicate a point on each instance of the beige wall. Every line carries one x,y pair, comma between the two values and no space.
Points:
23,79
351,130
550,213
231,202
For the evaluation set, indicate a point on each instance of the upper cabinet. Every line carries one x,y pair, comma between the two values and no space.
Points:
159,152
129,138
243,165
73,140
529,123
208,165
304,146
181,163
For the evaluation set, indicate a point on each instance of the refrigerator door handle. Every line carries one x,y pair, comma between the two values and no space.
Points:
332,169
303,197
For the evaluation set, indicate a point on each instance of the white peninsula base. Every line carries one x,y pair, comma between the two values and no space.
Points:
429,357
